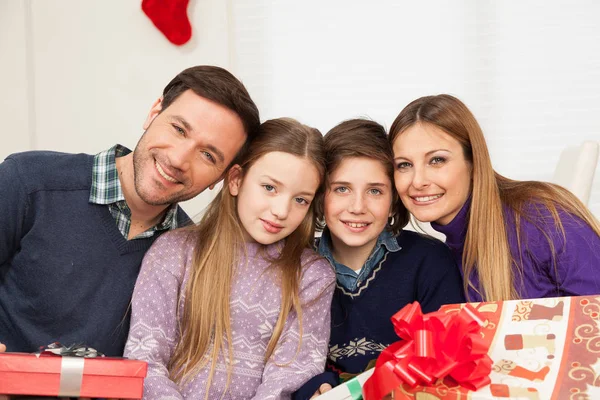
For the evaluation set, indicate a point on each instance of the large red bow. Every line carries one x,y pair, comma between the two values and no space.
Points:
434,345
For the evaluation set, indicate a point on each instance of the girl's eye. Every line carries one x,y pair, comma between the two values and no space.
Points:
342,189
403,165
300,200
269,188
438,160
375,191
209,156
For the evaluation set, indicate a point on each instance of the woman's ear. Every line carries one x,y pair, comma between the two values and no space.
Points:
234,179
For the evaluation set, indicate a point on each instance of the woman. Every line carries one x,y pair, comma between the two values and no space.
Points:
513,239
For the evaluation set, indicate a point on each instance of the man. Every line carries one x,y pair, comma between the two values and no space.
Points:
74,227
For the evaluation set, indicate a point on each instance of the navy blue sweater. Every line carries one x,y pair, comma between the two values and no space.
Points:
423,270
66,272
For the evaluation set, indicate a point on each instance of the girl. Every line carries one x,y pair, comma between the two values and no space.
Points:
379,267
514,239
237,307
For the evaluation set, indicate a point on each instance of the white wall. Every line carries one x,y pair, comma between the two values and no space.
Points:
80,76
15,132
529,70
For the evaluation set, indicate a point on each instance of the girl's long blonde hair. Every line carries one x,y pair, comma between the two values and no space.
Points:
486,244
205,328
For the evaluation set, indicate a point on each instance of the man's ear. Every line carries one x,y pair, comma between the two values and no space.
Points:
234,178
154,111
219,179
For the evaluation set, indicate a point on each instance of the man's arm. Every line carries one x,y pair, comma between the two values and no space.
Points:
13,207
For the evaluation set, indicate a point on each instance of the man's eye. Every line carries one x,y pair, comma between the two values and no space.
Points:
179,129
209,156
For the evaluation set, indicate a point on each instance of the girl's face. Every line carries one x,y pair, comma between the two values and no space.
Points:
357,203
432,177
274,195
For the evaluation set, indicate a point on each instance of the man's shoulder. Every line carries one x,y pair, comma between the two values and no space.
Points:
51,170
43,158
183,219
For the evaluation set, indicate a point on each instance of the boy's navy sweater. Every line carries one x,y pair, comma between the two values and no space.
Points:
66,272
423,270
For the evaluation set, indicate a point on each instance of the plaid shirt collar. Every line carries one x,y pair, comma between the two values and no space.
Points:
106,189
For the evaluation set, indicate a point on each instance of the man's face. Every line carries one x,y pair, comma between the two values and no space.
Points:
185,149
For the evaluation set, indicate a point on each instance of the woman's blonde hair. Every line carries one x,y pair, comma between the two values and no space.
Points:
205,328
492,195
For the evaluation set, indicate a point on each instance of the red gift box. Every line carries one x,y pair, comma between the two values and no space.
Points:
49,375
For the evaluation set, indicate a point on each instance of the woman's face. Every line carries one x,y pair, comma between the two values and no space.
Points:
432,177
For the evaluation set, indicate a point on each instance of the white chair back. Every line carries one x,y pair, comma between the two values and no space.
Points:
576,167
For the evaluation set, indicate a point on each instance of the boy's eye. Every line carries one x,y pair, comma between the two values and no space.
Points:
341,189
269,188
403,165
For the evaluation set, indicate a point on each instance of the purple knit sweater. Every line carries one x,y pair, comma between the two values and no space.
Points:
577,270
255,305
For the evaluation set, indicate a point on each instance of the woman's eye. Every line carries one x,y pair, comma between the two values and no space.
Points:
269,188
341,189
403,165
300,200
375,191
438,160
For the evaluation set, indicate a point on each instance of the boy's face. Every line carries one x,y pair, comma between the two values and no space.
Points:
357,203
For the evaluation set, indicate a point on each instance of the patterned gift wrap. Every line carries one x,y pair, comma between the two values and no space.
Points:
542,349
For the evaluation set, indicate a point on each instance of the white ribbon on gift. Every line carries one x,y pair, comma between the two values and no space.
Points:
71,376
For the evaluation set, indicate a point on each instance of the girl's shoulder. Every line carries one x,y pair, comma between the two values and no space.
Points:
172,250
175,240
316,267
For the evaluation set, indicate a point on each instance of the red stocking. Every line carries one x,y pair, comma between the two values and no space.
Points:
170,17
